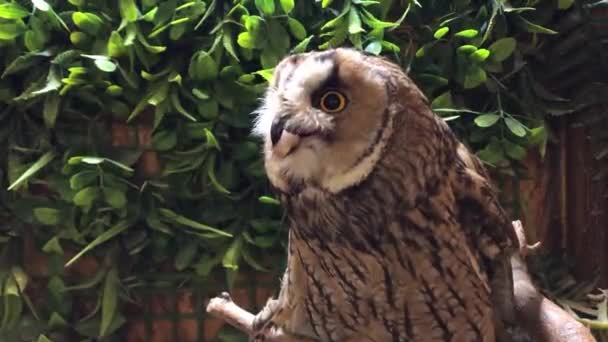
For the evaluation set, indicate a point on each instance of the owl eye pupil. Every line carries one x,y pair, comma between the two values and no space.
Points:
332,102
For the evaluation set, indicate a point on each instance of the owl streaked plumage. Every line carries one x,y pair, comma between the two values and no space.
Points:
395,231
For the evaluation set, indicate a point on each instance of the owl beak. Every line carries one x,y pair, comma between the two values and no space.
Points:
283,141
277,128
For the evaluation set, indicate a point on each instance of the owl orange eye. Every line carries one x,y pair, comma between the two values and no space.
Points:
332,102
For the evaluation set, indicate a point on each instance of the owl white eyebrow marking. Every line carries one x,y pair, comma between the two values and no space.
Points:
306,77
294,80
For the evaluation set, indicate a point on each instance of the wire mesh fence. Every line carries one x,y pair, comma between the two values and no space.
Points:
172,307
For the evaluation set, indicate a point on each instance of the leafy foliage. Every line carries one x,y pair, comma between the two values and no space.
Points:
192,71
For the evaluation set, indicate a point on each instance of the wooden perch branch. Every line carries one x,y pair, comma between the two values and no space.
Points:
542,319
225,309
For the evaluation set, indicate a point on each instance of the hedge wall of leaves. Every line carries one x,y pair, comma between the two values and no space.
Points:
192,71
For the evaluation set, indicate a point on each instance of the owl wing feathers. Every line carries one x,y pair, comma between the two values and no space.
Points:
496,239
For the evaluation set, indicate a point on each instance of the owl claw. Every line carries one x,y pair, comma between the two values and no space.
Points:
262,334
266,315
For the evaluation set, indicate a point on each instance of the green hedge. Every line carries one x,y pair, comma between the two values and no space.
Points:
193,71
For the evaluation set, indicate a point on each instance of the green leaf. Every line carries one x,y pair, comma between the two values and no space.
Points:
203,67
296,28
450,118
279,39
254,24
118,164
169,214
116,45
233,254
115,197
79,38
480,55
287,5
564,4
466,49
86,160
186,255
105,65
43,338
211,141
487,120
86,196
374,22
492,153
41,5
441,32
128,10
114,90
337,21
199,94
443,101
82,179
109,301
326,3
164,140
475,77
150,16
53,246
50,110
302,46
354,21
245,39
515,126
10,31
470,33
538,136
33,169
33,41
268,200
374,47
252,262
13,11
158,93
101,238
177,105
502,49
210,10
531,27
88,22
211,173
421,51
154,49
56,321
514,151
53,83
228,43
265,6
47,216
25,61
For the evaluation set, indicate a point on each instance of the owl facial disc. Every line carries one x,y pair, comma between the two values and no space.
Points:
325,119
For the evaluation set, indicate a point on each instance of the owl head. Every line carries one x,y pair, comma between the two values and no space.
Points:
327,116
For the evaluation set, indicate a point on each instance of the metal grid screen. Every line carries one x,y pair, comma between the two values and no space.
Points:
171,307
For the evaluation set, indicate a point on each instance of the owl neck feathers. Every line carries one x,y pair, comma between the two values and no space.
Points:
364,165
411,167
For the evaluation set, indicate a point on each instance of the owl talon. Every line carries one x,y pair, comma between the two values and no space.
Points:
264,316
262,334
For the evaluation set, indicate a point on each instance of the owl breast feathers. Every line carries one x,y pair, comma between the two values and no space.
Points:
395,231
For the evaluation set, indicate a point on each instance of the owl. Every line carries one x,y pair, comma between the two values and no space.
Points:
395,232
